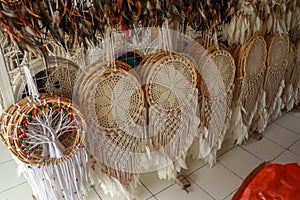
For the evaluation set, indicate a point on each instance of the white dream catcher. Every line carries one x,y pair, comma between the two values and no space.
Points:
45,133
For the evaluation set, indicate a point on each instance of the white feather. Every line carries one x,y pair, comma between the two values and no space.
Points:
269,23
288,20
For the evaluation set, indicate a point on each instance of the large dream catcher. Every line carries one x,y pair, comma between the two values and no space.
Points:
110,96
172,99
250,60
278,51
217,70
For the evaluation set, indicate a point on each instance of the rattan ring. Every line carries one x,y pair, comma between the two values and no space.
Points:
219,70
170,82
19,117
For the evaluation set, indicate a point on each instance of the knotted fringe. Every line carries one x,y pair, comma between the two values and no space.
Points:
173,135
202,147
66,180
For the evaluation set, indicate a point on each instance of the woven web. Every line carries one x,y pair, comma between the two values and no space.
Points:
254,67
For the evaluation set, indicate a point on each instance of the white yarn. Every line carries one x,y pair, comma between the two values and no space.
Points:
30,83
65,180
182,139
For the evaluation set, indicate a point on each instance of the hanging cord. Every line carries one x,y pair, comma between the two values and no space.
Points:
165,39
30,83
108,47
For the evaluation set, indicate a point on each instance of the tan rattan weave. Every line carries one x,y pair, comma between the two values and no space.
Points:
21,113
218,73
114,95
170,82
219,70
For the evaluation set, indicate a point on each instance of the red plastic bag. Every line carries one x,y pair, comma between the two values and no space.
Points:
275,182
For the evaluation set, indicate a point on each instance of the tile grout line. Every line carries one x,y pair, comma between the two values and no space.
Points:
147,189
227,150
251,153
293,114
195,170
293,153
163,189
276,122
93,187
231,171
201,188
12,187
270,141
231,193
4,162
280,144
278,155
294,143
287,128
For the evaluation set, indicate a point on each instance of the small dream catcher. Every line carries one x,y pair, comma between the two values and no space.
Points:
58,77
45,133
251,67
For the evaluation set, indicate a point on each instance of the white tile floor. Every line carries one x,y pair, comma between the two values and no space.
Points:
281,144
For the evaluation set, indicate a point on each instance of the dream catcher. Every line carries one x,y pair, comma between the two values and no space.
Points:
173,115
217,70
172,101
278,51
270,101
288,94
115,117
58,77
250,60
45,133
248,17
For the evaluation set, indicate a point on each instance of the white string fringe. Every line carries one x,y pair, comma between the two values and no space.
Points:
65,180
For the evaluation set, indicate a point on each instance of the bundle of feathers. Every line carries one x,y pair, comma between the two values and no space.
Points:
28,22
